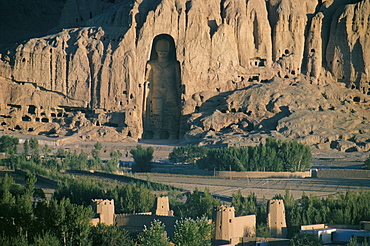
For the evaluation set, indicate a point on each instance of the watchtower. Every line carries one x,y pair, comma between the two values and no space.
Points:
104,210
276,218
163,207
223,218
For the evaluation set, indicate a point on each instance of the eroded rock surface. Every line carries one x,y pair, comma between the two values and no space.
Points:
248,69
324,116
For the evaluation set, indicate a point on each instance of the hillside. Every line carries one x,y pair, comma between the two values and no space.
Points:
233,72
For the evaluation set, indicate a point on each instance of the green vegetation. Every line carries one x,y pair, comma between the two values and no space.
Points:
104,235
249,205
154,235
367,163
143,158
197,205
129,198
304,239
188,154
275,155
346,208
189,232
8,144
26,218
132,198
61,221
50,164
22,222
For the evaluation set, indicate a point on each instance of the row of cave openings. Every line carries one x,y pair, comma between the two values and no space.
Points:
56,116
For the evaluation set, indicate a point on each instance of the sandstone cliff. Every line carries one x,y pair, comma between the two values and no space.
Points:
257,67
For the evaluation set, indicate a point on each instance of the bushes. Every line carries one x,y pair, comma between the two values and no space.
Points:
367,163
8,144
188,154
143,158
189,232
275,155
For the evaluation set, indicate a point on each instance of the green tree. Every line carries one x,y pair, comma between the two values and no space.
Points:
79,191
106,235
112,165
199,204
8,144
34,146
19,240
68,222
7,206
244,205
188,154
74,161
61,153
132,198
189,232
46,150
275,155
296,156
304,239
26,147
46,240
154,236
143,158
17,215
98,146
96,162
352,242
31,180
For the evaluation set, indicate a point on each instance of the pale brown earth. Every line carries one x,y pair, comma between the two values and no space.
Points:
290,69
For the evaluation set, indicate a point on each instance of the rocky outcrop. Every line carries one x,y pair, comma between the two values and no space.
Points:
348,44
248,51
325,116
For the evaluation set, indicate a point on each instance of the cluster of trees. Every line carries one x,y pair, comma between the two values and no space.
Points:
197,205
8,144
304,239
274,155
188,154
249,205
136,198
28,220
25,222
188,232
345,208
128,198
31,160
143,158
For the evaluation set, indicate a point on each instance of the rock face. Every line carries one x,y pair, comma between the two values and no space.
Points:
255,67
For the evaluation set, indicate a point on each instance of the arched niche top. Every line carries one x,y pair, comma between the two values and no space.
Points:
171,55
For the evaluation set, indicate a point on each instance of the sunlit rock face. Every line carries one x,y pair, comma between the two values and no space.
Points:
89,77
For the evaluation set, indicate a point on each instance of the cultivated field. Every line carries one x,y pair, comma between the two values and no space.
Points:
262,187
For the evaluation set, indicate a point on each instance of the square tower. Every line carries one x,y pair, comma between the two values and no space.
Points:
276,218
104,210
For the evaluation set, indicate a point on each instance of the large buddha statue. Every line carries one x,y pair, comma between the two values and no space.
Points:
162,105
